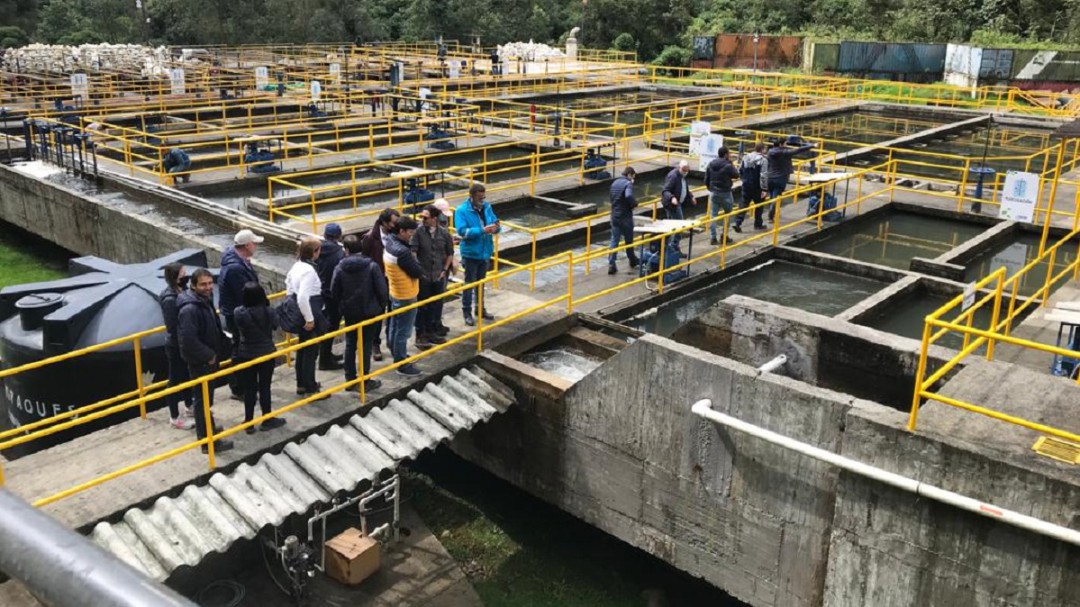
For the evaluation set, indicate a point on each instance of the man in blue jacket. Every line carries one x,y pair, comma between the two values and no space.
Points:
236,271
476,224
622,217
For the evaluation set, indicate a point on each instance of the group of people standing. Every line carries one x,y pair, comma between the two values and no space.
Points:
763,173
351,278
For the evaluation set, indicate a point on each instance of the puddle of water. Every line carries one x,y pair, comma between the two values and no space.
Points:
568,363
799,286
1016,254
894,239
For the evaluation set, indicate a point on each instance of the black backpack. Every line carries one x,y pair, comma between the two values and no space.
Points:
750,175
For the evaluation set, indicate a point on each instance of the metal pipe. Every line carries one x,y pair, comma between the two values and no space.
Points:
703,408
773,364
63,568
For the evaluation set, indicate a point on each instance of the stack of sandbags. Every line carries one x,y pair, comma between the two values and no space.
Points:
529,51
61,59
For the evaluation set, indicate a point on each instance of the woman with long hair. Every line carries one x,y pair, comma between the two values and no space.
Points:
175,283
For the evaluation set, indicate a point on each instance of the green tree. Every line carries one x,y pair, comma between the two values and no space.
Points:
11,36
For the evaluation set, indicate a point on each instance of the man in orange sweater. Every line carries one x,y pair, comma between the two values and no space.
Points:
403,273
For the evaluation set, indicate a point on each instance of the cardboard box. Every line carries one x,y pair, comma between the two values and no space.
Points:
351,557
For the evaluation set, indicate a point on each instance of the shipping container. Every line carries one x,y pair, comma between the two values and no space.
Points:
704,48
972,66
762,52
821,57
909,62
1046,66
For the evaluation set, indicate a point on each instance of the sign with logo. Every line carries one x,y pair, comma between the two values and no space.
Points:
969,296
316,90
1019,196
708,148
80,86
698,130
262,77
176,81
335,72
455,69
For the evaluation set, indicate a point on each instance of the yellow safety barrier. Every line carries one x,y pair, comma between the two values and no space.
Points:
718,254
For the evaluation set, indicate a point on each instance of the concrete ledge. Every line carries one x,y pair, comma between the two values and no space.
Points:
533,379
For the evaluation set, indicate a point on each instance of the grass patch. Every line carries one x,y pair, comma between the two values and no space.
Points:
25,257
520,552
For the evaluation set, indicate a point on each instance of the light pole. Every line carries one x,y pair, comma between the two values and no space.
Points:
756,38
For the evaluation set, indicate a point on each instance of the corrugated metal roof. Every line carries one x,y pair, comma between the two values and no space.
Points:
182,530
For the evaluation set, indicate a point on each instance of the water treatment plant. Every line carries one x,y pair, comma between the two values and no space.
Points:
870,400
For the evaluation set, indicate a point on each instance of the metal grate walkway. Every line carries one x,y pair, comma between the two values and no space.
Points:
181,531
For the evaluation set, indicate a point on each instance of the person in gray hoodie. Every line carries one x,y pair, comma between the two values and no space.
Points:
753,172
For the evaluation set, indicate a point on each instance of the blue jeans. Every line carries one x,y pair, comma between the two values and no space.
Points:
401,328
719,203
776,188
622,228
370,332
475,269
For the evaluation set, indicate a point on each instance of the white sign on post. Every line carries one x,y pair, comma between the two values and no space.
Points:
176,81
262,77
1019,196
80,86
455,69
316,90
335,72
698,130
969,296
708,148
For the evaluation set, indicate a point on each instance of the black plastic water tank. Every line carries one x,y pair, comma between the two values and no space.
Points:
100,302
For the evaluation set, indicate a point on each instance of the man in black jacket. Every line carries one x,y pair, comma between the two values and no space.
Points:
359,288
201,339
781,166
434,250
236,271
622,217
330,255
718,178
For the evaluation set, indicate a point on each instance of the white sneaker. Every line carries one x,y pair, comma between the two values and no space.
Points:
188,412
182,423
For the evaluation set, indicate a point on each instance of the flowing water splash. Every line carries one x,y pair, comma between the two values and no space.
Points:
569,364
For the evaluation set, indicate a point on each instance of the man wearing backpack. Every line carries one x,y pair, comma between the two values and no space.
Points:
753,172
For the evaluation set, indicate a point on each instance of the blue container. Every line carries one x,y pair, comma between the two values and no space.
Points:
926,61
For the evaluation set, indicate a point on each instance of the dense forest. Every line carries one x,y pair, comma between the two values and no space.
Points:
646,26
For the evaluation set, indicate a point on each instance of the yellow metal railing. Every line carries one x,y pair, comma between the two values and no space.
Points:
718,257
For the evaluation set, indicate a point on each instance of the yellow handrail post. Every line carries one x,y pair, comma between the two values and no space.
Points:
570,281
1049,276
1053,195
136,347
920,374
995,315
479,316
588,243
495,261
660,278
962,191
363,372
314,215
532,266
776,220
209,421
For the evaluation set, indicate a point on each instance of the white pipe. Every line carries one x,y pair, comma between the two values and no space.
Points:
703,408
773,364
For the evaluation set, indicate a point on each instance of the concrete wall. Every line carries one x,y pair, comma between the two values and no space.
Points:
822,351
116,226
622,451
892,549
